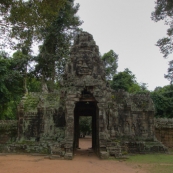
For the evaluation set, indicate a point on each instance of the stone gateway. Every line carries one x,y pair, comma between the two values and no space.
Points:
48,123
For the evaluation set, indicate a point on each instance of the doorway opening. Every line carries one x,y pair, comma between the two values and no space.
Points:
86,126
85,132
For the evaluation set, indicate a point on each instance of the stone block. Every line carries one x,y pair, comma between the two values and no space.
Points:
68,156
104,155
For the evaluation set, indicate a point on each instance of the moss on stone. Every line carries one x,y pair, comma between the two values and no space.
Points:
30,102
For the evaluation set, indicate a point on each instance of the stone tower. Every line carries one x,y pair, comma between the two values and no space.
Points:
87,93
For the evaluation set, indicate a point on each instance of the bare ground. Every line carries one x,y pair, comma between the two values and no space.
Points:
85,161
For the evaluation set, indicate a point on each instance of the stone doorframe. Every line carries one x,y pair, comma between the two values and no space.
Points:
102,133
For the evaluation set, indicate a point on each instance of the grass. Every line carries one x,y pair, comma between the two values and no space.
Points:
153,163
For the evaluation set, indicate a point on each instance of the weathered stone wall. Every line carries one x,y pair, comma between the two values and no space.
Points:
41,124
134,116
123,121
130,120
41,117
164,131
122,117
8,132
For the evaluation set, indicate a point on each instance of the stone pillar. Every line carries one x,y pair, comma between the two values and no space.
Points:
103,132
151,128
69,133
20,114
40,125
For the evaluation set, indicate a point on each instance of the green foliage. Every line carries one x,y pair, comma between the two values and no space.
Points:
134,88
31,102
8,110
33,84
169,76
23,19
163,101
57,39
85,124
52,21
11,88
125,80
21,61
164,11
143,86
22,65
110,60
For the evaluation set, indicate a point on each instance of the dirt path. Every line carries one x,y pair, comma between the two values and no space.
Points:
85,161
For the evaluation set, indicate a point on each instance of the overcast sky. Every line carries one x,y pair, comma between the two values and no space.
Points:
125,26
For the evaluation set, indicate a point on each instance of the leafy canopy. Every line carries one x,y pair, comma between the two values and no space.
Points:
164,11
85,124
23,19
169,75
163,101
11,86
126,80
58,37
110,60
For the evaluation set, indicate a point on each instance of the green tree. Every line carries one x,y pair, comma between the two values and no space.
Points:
85,125
169,76
21,23
22,62
23,20
33,84
163,101
11,89
125,80
164,11
110,60
57,41
143,86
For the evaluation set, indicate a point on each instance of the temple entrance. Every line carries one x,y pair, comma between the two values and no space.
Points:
86,125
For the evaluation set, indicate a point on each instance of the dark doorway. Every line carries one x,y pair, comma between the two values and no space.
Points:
84,109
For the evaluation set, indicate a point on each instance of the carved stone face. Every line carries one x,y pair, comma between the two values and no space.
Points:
84,65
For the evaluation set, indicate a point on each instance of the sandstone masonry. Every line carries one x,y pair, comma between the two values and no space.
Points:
48,123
